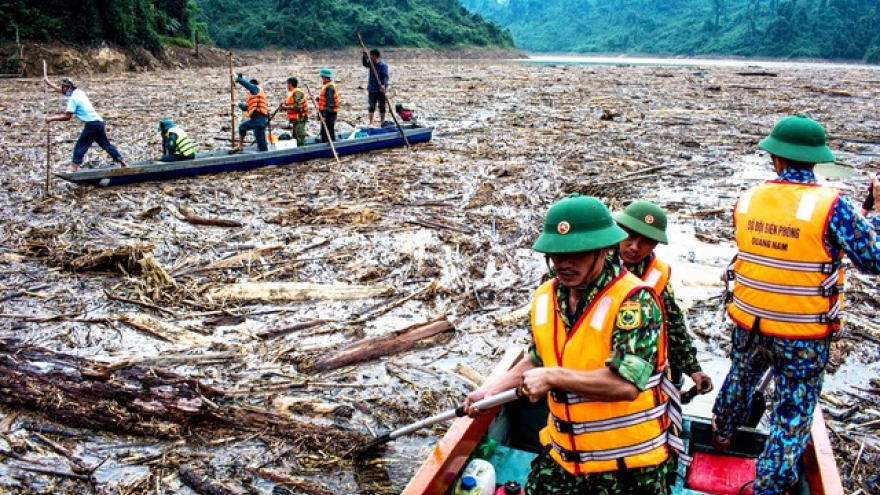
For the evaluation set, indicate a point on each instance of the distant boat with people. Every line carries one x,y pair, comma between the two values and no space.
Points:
285,152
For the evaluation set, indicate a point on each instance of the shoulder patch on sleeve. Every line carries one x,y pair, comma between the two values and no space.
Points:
630,316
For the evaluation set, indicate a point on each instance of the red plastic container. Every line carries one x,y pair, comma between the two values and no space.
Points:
509,488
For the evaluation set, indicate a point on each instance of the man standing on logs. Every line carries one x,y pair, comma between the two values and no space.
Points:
79,106
375,87
788,295
599,355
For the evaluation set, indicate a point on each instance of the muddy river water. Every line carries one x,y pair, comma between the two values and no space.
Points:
444,230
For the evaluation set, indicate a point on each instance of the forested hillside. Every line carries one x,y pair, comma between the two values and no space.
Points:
318,24
831,29
294,24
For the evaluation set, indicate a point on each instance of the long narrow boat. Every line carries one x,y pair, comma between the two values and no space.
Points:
211,162
712,473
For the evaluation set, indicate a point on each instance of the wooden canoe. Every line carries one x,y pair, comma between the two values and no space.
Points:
439,470
224,161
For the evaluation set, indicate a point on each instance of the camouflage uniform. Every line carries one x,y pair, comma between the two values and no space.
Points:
682,353
635,351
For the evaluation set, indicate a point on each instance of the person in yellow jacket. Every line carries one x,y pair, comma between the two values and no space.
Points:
598,354
787,298
176,144
297,107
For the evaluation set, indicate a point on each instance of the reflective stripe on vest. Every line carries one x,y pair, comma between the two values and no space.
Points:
608,432
257,104
783,272
322,98
303,110
657,275
185,146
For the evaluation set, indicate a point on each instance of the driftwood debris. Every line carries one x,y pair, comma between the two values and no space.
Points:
143,401
161,329
310,487
194,219
246,257
296,291
413,337
199,480
277,332
309,407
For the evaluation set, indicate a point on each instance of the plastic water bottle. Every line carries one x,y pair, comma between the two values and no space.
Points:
509,488
477,478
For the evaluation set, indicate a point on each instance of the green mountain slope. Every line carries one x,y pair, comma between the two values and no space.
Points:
295,24
319,24
831,29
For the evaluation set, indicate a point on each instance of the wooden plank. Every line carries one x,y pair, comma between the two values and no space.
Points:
822,473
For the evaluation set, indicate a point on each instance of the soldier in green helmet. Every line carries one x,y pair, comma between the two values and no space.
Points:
598,354
645,225
787,296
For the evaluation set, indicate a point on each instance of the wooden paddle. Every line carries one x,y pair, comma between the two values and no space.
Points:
759,402
384,94
232,99
488,403
324,125
48,138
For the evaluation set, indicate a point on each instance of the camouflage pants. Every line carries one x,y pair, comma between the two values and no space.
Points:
549,478
299,130
798,368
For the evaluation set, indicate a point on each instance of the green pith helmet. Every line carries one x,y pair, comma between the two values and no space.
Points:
578,224
325,72
798,138
645,218
165,124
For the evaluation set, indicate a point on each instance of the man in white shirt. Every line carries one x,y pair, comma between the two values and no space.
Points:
79,106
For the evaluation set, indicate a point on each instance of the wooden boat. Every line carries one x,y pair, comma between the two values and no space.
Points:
712,473
216,161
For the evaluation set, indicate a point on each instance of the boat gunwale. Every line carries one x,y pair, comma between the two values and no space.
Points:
448,457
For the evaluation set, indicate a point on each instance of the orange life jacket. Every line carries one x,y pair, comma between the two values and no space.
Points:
657,275
257,104
592,436
322,98
783,273
303,110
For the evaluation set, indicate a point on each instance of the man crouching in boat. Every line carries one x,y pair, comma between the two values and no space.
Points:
176,145
599,356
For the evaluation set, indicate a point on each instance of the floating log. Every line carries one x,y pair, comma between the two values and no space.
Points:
307,406
198,480
194,219
142,400
296,291
163,330
412,337
311,487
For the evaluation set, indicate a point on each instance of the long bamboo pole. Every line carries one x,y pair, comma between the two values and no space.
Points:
384,93
48,139
324,125
232,100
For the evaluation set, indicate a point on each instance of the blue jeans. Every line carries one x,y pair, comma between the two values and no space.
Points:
258,125
93,132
